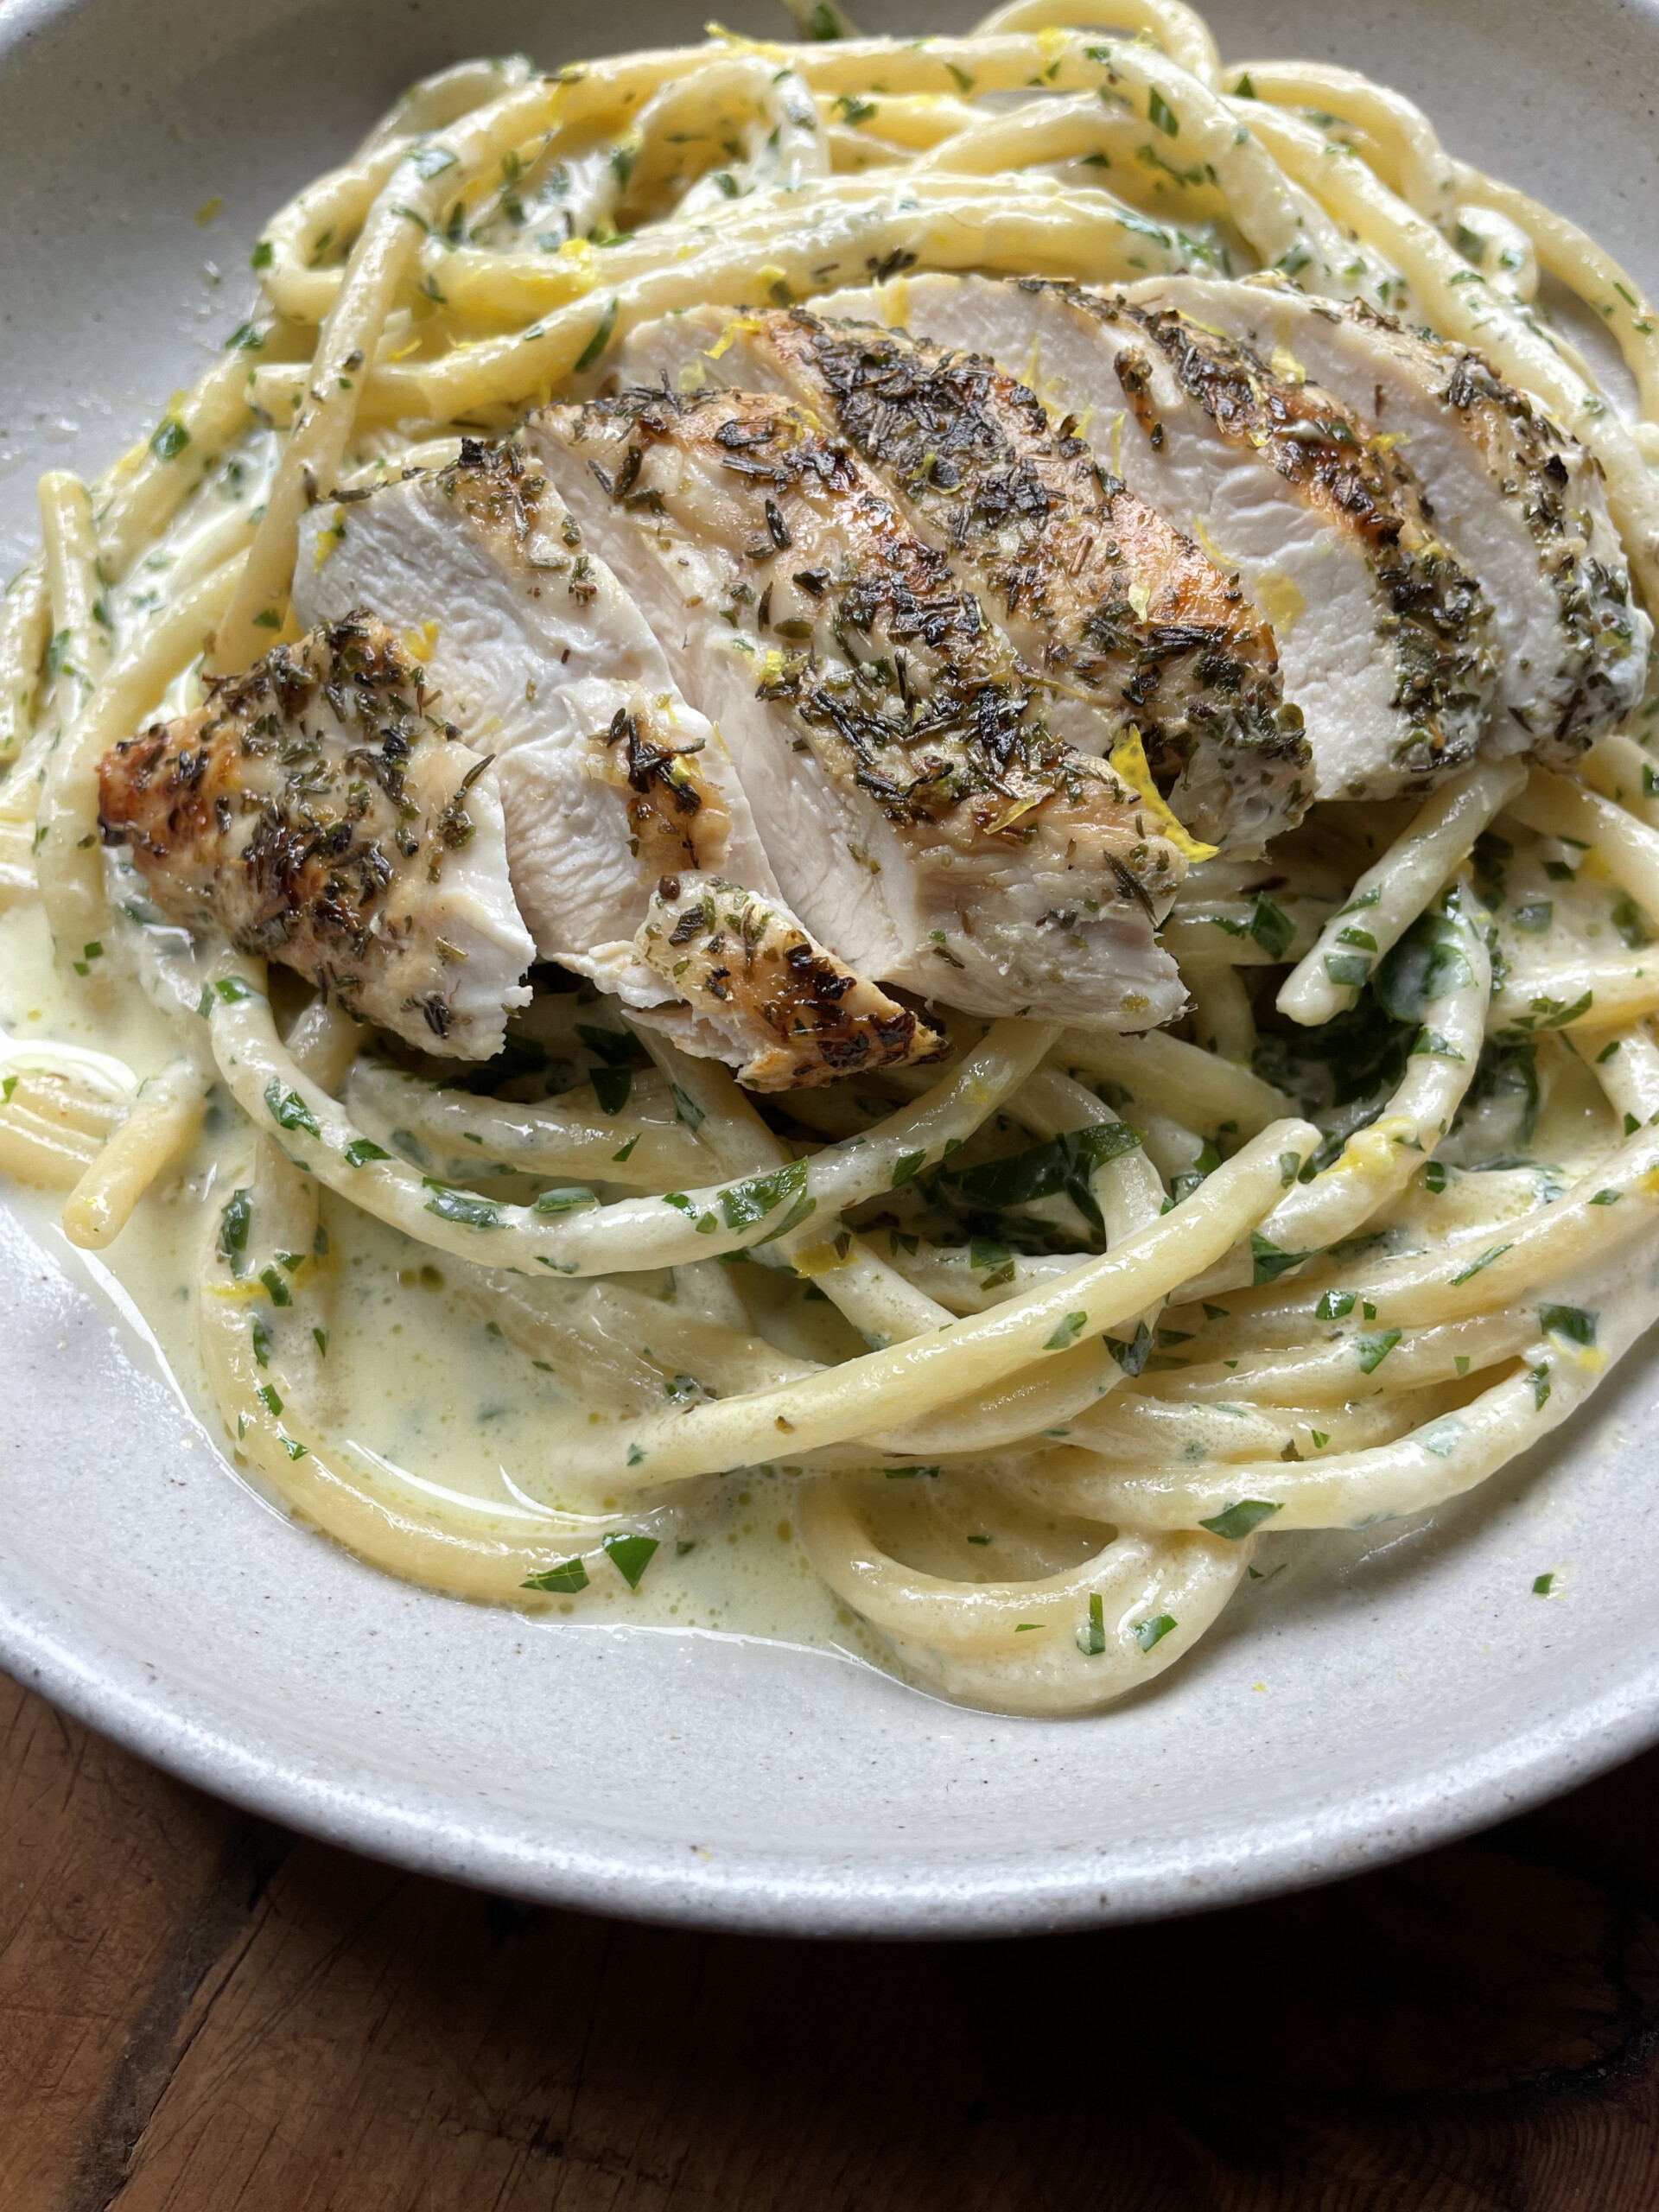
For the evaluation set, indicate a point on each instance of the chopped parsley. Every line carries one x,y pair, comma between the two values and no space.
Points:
1432,1043
1133,1354
612,1087
686,1108
233,1225
1570,1322
463,1206
1064,1164
1268,1263
630,1555
1236,1521
1466,1275
600,339
568,1576
1373,1346
567,1199
1270,925
289,1110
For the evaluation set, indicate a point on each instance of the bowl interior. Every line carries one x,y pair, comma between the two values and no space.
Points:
1378,1693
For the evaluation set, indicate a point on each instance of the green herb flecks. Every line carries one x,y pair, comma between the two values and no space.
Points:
686,1107
288,1109
463,1206
1132,1353
1146,1633
1372,1347
1064,1164
1427,962
744,1203
630,1555
600,339
1475,1266
570,1199
1268,1263
612,1087
1571,1323
233,1225
1237,1521
564,1579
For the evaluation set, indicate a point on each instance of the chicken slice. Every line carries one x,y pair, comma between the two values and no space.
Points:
788,1010
1384,633
922,817
1520,500
609,780
1132,627
319,813
610,783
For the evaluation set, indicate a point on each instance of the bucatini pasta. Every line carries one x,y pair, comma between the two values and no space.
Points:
1014,1340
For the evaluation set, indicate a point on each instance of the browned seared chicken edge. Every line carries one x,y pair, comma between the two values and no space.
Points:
805,1016
1128,623
320,812
923,816
1437,616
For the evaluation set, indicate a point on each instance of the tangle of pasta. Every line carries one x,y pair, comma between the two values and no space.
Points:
1092,1312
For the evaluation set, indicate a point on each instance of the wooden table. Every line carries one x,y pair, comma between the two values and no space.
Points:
206,2013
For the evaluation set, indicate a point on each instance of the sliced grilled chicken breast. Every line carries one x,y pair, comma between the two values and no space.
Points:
1133,629
610,783
922,818
781,1007
608,778
1384,633
1520,500
319,812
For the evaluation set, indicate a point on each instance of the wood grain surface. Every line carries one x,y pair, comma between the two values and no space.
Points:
203,2012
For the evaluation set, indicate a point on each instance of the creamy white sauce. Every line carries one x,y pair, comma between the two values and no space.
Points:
420,1392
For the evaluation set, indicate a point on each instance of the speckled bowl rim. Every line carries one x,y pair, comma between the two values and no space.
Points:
203,1740
766,1893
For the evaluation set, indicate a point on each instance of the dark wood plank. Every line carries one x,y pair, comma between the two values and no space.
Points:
119,1890
215,2015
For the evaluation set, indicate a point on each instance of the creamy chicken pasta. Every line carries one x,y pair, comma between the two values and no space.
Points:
874,813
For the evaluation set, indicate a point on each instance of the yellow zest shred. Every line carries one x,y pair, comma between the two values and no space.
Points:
1128,760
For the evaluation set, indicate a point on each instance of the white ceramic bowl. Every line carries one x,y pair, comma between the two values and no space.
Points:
1372,1700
